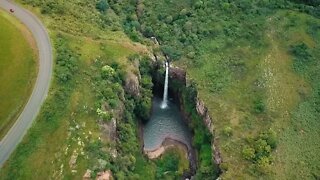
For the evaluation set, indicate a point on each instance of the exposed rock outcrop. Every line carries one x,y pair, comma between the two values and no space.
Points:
132,86
203,112
87,175
104,175
109,129
178,74
73,159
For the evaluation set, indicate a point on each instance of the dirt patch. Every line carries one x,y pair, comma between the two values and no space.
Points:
166,144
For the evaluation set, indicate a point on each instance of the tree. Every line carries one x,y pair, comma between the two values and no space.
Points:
102,5
107,71
308,2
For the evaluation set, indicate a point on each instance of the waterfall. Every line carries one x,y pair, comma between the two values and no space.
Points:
164,103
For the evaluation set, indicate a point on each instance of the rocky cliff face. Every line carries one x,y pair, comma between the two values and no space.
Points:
132,86
179,74
203,112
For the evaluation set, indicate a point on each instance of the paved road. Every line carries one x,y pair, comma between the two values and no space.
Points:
40,91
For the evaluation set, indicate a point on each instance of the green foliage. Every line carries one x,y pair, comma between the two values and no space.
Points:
227,131
259,106
104,115
107,80
248,153
259,150
171,52
143,108
113,103
144,102
66,61
202,137
107,72
303,57
308,2
166,166
270,137
56,7
102,5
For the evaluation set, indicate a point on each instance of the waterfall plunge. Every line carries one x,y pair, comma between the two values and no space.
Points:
164,103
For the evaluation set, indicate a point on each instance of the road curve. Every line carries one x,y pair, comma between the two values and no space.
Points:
41,87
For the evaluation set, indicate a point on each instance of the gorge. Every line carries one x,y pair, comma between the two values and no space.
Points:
172,125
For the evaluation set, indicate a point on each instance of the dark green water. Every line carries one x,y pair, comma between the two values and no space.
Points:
165,123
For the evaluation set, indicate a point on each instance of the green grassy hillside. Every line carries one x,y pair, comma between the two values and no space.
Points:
93,58
18,69
255,66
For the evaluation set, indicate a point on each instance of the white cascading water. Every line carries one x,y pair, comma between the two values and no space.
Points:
164,103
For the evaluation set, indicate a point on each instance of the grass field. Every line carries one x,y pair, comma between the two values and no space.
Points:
266,73
18,69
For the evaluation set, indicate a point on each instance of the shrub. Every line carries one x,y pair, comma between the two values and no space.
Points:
302,56
107,72
259,106
248,153
259,149
270,137
104,115
113,103
102,5
227,131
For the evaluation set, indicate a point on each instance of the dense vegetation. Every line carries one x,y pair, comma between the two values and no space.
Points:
18,67
74,131
251,63
202,140
255,64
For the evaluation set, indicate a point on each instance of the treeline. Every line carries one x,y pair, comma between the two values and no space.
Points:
308,2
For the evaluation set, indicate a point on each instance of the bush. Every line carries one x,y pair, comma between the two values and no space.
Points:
104,115
113,103
259,149
270,137
102,5
248,153
302,56
143,107
259,106
227,131
169,163
107,72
